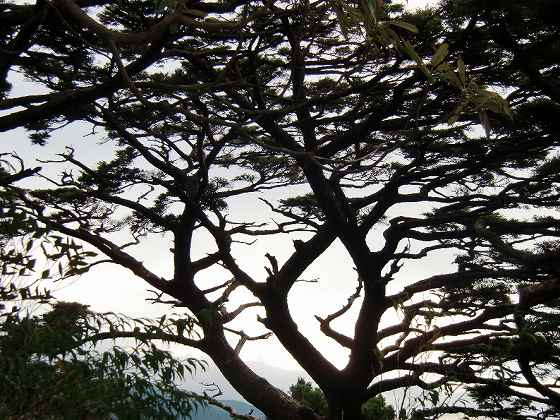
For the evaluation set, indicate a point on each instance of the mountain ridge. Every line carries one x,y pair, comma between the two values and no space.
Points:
210,412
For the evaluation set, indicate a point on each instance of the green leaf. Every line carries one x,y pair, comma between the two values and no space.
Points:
369,13
440,55
487,100
447,72
495,103
462,71
387,35
404,25
409,50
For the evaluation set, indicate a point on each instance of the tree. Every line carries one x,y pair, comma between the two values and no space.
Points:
314,399
44,379
309,396
52,368
356,125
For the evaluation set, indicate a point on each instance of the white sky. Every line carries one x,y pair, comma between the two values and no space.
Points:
414,4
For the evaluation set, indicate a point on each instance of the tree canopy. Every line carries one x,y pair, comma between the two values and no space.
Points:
52,368
314,399
396,136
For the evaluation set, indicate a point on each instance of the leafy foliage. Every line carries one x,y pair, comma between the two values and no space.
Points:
46,375
53,368
313,398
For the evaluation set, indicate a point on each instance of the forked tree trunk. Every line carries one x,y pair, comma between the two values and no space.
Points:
276,404
339,410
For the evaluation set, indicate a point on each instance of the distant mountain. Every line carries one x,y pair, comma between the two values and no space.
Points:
211,380
281,378
215,413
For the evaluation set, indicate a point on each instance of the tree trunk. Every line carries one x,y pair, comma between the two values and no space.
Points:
352,412
344,408
276,404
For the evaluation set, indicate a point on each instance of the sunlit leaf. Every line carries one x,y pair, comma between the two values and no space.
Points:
439,55
404,25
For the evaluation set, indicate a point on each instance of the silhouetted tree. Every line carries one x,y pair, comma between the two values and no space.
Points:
356,125
51,367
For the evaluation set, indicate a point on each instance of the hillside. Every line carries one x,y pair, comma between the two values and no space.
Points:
214,413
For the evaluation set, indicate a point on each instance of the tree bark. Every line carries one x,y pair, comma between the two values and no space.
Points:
276,404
